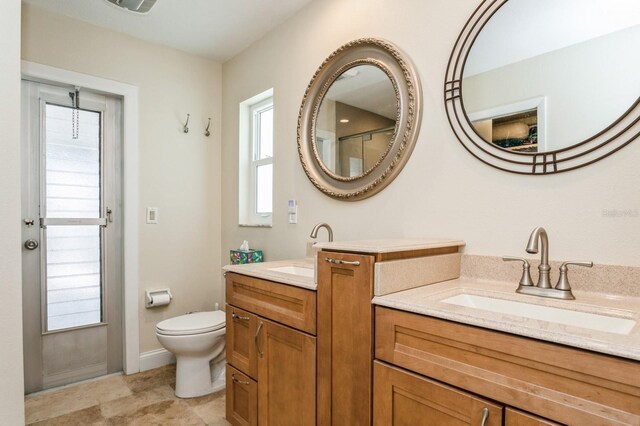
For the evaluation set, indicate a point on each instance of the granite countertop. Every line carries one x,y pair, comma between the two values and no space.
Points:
427,300
264,270
388,245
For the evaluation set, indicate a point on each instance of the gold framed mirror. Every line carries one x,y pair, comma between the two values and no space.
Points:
543,86
359,119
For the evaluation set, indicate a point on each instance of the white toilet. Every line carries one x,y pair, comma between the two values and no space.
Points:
198,342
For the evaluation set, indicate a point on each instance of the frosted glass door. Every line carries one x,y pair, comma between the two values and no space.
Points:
72,226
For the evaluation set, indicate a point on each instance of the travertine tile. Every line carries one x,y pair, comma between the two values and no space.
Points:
212,412
78,397
165,413
88,417
50,405
151,379
132,403
104,402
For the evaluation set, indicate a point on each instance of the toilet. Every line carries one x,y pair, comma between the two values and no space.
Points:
198,342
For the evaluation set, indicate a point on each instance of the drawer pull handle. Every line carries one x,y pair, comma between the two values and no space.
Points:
238,317
257,339
240,382
342,262
485,416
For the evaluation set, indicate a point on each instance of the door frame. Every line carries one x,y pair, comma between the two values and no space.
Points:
130,196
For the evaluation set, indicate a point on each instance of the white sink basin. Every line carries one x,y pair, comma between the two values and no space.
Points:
570,317
294,270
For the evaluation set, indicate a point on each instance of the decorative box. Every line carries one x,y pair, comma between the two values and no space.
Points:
239,257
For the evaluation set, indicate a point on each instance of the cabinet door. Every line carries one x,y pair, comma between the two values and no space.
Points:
406,399
286,376
241,341
345,338
515,417
242,399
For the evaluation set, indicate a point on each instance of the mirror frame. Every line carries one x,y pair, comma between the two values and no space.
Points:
404,78
604,143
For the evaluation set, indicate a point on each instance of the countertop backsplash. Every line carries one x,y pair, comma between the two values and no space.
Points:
612,279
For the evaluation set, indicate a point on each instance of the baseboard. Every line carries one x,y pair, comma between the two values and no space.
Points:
154,359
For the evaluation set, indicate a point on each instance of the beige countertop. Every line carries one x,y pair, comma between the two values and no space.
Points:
427,300
388,245
265,271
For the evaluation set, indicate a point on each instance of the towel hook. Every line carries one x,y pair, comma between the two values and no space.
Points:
207,133
185,128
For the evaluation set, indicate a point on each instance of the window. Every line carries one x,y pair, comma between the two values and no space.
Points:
256,160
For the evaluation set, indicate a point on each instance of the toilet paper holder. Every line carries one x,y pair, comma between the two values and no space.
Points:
154,298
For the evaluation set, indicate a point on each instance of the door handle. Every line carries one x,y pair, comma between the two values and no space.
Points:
31,244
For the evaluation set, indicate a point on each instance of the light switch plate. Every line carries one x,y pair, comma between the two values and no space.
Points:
152,215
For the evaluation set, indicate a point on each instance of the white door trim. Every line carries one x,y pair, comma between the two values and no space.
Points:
45,73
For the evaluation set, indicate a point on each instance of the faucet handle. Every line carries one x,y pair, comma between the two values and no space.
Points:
525,280
563,280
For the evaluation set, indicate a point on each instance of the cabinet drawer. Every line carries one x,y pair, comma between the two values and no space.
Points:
515,417
557,382
403,398
242,399
289,305
242,327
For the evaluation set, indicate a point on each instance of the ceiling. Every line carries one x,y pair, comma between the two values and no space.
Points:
216,29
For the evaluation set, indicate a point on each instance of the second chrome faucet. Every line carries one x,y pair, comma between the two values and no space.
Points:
562,290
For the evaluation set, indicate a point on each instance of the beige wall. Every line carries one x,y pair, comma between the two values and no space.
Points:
12,389
442,191
179,173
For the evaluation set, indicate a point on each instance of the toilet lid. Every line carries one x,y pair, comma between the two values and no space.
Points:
195,323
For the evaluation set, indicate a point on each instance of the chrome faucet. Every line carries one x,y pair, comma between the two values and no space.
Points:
543,288
540,234
314,231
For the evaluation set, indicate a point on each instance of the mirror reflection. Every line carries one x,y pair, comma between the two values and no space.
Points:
356,121
544,75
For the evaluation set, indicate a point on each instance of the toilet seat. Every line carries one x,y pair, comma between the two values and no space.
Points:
195,323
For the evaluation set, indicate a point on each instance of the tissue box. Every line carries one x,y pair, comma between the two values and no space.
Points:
239,257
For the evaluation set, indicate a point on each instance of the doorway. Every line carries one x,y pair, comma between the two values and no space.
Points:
72,234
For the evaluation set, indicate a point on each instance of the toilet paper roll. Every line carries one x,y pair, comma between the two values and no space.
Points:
160,299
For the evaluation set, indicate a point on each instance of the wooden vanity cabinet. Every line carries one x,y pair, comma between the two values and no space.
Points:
345,338
558,383
403,398
271,357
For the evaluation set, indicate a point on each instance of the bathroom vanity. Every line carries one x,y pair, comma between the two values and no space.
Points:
390,335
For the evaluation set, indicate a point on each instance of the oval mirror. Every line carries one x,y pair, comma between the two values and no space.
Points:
357,123
546,86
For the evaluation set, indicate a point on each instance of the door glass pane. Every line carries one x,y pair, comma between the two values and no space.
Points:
72,188
264,184
72,164
73,265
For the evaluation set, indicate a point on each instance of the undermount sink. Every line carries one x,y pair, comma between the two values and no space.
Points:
294,270
591,321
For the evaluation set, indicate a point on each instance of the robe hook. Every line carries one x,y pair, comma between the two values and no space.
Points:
207,133
185,128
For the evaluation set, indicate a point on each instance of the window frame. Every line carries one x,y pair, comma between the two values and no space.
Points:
256,110
248,163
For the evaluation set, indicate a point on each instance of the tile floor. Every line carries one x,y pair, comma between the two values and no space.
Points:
143,399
